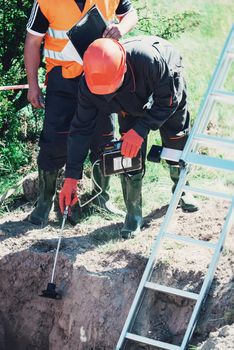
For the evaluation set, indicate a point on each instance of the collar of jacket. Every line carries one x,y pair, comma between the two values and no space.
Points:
129,84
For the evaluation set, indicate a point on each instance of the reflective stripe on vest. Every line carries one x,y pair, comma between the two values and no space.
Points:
57,34
61,16
56,55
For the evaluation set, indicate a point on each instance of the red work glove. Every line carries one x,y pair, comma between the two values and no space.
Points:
131,144
68,194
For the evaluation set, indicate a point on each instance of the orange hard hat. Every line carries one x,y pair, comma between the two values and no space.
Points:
104,65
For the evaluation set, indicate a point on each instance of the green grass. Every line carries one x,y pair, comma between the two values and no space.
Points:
200,45
200,48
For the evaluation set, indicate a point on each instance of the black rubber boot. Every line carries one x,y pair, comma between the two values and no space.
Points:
187,202
132,186
103,200
47,187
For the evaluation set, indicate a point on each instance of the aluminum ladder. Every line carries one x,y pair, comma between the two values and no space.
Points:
190,156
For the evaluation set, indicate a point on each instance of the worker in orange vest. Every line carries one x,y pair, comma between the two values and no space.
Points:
49,22
142,80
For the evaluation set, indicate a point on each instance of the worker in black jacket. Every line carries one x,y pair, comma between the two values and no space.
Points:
142,81
49,23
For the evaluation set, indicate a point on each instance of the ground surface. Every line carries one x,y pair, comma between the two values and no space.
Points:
99,273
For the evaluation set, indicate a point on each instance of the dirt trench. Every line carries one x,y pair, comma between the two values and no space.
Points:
98,274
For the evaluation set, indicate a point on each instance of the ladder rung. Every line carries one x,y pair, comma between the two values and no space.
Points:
212,162
213,140
170,290
223,96
171,154
208,193
215,92
153,342
230,54
190,240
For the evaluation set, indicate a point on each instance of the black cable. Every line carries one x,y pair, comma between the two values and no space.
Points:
125,171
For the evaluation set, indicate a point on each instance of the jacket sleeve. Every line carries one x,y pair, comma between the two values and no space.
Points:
81,132
164,99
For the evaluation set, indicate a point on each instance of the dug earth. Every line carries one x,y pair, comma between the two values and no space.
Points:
98,274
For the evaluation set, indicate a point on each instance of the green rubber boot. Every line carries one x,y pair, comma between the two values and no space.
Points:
47,187
187,202
132,187
103,200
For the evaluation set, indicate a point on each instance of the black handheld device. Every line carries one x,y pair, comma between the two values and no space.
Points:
112,161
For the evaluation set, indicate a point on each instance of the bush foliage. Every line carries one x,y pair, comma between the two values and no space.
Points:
14,146
19,124
152,23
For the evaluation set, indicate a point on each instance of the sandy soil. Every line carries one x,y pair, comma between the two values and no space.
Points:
98,274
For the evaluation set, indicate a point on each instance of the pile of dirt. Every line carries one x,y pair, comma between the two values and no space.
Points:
222,339
98,274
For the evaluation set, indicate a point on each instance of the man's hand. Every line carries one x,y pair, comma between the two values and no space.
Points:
126,23
32,56
113,31
68,194
35,97
131,144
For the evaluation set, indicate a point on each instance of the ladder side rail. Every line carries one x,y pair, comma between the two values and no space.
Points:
209,276
204,110
203,105
137,297
149,267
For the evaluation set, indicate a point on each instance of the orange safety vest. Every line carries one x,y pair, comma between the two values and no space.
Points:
62,15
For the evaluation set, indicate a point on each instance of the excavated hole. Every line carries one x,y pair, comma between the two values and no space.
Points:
27,321
99,280
47,246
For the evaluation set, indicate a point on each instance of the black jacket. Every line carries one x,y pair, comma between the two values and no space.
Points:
152,91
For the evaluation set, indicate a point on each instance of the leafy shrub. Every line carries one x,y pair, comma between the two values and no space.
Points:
18,124
151,23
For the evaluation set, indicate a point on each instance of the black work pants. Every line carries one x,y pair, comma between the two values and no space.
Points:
60,107
174,132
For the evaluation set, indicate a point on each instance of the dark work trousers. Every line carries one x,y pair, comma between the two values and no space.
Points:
60,107
174,132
